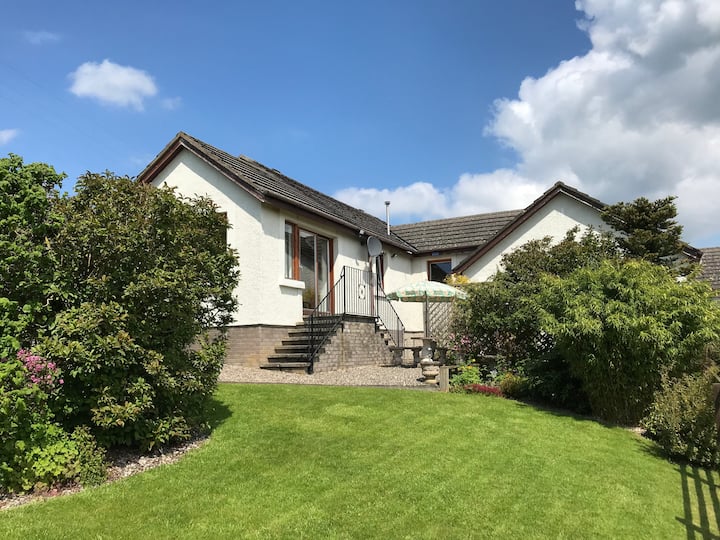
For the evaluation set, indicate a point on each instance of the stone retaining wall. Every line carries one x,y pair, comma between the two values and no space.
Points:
357,342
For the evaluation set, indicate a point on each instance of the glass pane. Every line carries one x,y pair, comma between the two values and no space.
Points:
439,270
323,268
289,252
307,268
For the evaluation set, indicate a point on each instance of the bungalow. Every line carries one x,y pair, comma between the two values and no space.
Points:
314,269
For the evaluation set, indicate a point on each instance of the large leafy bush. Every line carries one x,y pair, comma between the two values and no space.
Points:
621,325
682,418
147,275
28,221
502,317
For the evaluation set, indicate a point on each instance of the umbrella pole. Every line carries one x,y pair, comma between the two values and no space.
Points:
426,318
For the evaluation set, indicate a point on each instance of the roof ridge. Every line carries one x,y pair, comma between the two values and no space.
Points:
468,217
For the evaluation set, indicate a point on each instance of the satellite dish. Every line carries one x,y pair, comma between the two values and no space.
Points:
374,246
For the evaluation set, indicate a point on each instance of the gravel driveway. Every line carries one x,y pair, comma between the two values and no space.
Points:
393,376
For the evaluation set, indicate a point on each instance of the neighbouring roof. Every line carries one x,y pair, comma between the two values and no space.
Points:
466,232
526,214
271,186
710,266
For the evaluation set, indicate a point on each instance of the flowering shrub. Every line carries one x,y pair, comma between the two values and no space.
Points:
483,389
41,372
35,451
463,347
32,445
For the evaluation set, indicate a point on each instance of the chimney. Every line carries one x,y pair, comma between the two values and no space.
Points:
387,216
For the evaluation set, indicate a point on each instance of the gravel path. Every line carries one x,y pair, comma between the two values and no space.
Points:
393,376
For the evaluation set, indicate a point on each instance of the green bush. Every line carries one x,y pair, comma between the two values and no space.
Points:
550,381
127,394
621,324
34,450
682,419
513,385
92,467
466,375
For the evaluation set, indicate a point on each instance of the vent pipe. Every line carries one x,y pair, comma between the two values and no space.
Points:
387,216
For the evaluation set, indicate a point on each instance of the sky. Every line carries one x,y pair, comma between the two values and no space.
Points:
443,107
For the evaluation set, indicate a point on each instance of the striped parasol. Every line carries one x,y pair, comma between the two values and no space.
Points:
426,291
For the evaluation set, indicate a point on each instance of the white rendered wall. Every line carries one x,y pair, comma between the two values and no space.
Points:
257,233
555,219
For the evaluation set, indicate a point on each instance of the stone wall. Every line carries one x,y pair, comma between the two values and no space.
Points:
357,342
251,345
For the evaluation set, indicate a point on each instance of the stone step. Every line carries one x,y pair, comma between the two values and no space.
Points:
294,348
281,357
292,367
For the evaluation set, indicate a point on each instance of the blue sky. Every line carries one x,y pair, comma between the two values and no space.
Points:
443,107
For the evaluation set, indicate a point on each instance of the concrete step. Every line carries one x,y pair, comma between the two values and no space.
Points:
292,367
282,357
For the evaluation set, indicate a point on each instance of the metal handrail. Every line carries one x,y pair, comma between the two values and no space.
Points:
354,293
324,311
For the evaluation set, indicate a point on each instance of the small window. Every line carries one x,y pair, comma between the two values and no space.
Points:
290,251
439,270
380,270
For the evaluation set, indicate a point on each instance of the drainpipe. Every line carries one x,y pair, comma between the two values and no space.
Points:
387,216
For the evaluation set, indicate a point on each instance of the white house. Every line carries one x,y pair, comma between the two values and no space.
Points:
302,252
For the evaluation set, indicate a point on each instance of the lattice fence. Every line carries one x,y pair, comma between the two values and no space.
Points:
439,320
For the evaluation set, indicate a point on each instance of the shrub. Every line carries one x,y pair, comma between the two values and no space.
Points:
27,272
513,385
125,393
92,467
621,324
146,275
482,389
34,450
682,419
550,381
466,375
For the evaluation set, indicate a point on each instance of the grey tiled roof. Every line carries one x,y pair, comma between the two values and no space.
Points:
710,263
455,233
267,183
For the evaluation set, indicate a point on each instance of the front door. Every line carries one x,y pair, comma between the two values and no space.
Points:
314,269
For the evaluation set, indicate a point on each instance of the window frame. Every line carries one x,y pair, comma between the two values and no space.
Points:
436,261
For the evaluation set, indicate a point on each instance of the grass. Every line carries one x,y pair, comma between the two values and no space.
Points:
322,462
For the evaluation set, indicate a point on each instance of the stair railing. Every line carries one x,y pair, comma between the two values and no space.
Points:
323,322
354,293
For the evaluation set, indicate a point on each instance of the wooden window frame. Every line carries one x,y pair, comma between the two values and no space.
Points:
295,251
435,261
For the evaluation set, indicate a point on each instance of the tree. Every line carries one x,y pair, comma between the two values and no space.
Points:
649,230
27,222
146,275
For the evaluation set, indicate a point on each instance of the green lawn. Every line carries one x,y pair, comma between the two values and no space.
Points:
321,462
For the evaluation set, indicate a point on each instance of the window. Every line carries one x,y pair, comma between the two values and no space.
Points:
307,259
439,270
380,270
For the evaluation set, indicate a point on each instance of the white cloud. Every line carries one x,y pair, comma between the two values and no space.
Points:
113,84
638,115
7,135
171,103
473,193
40,37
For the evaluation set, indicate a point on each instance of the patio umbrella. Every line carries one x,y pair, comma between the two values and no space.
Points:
426,291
